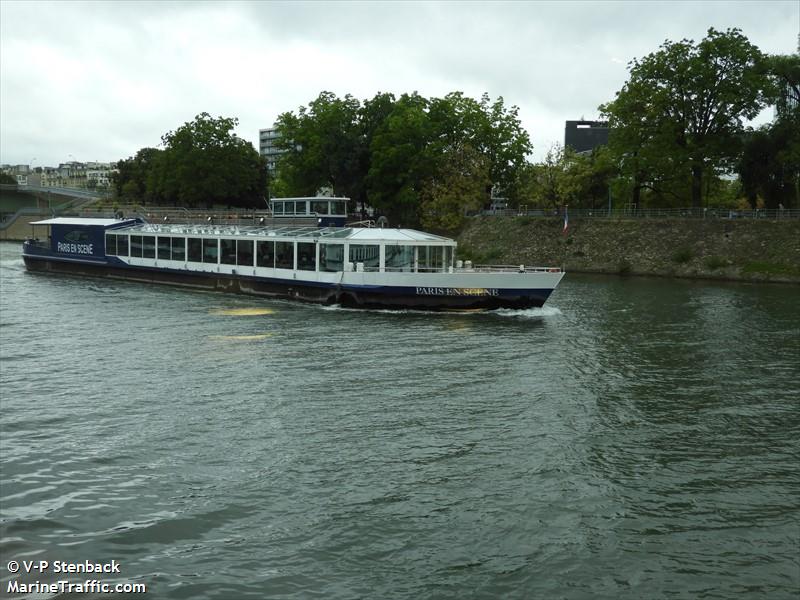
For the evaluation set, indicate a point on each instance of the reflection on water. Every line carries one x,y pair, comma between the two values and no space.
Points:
635,438
242,312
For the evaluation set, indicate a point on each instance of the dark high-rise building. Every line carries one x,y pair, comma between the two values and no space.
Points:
267,147
585,136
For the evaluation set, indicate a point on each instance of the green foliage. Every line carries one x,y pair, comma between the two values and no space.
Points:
682,255
323,146
679,116
458,186
486,126
398,154
400,160
567,178
480,256
135,180
7,179
784,72
202,164
770,268
715,262
769,166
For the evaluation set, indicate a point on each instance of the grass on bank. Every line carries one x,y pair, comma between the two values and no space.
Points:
771,268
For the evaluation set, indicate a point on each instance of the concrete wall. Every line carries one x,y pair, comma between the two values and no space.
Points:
749,250
20,228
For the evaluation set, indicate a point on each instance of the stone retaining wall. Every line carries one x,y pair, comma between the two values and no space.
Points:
750,250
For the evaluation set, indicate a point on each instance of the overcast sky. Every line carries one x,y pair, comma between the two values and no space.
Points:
100,80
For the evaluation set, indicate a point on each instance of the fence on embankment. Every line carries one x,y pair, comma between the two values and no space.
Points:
646,213
758,249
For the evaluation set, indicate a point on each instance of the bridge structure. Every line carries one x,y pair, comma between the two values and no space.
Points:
64,191
20,204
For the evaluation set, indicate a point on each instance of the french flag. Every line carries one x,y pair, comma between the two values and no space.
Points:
566,220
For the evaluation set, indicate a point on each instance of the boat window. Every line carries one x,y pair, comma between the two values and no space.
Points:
369,254
136,246
277,208
122,245
163,248
266,254
244,253
227,252
195,249
284,255
320,207
111,245
338,207
306,256
429,258
331,257
148,246
210,251
179,248
400,258
448,256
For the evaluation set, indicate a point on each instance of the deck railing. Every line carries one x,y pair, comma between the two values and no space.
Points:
507,269
468,269
37,243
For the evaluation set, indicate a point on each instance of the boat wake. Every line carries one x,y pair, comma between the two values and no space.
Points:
527,313
241,338
522,313
13,264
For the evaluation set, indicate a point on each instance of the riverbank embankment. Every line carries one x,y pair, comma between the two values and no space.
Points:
726,249
19,227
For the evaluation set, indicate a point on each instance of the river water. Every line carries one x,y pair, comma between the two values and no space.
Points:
636,438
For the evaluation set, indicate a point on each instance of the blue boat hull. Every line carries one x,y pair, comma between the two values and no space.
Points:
381,297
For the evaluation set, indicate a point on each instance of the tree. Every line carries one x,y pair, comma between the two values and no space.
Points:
457,187
204,164
682,110
784,72
323,147
134,180
567,178
769,167
386,150
400,160
486,126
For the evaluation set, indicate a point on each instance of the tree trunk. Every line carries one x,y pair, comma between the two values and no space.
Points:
697,186
637,189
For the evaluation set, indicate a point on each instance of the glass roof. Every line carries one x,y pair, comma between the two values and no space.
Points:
359,234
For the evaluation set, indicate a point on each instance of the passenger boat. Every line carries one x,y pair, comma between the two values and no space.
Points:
364,267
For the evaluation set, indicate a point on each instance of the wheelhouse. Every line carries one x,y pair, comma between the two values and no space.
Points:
330,212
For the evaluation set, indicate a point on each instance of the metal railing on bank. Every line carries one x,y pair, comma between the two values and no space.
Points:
178,214
648,213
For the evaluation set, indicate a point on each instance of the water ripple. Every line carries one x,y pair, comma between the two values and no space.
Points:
633,439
